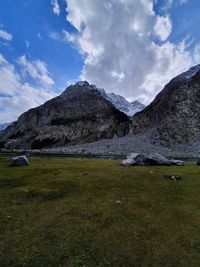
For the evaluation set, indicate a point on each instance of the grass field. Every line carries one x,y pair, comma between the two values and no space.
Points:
92,213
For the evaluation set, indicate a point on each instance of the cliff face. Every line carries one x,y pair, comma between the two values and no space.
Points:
174,115
80,114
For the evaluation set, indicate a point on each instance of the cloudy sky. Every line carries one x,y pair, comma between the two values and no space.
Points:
130,47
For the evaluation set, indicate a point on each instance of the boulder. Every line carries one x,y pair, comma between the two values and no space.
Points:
198,162
177,162
156,159
128,162
134,159
150,159
19,161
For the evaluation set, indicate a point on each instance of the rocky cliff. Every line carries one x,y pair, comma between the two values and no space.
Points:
79,115
174,115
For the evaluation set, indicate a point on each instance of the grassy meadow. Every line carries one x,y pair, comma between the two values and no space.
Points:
96,213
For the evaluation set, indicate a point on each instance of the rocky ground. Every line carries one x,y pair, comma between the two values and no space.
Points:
126,145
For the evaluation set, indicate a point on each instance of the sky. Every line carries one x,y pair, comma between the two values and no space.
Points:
129,47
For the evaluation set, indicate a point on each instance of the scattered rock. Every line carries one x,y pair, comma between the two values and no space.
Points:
19,161
149,159
173,177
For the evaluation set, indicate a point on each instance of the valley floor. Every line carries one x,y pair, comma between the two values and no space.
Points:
78,212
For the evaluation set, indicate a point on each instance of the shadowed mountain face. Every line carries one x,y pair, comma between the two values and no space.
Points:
80,114
174,115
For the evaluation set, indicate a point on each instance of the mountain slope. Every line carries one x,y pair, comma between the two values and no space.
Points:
174,115
122,104
80,114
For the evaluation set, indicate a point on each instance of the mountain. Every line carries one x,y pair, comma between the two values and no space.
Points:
3,126
80,114
136,107
174,115
122,104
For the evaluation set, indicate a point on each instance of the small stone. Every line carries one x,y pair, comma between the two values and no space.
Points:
173,177
118,202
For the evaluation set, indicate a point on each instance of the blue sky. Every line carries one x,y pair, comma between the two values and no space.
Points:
31,23
130,47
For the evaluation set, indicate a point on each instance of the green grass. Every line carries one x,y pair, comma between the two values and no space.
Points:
63,212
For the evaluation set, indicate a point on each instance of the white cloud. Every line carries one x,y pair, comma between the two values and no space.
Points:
9,79
36,69
69,37
16,94
55,36
118,37
56,7
5,35
163,27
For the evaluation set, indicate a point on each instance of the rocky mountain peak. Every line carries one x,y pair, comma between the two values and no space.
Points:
82,83
78,88
80,114
117,100
174,115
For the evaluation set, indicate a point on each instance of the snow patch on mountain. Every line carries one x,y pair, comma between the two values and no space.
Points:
122,104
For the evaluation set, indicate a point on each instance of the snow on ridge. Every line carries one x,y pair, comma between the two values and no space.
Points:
121,103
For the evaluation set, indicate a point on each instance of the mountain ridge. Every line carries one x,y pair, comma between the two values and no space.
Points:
173,117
